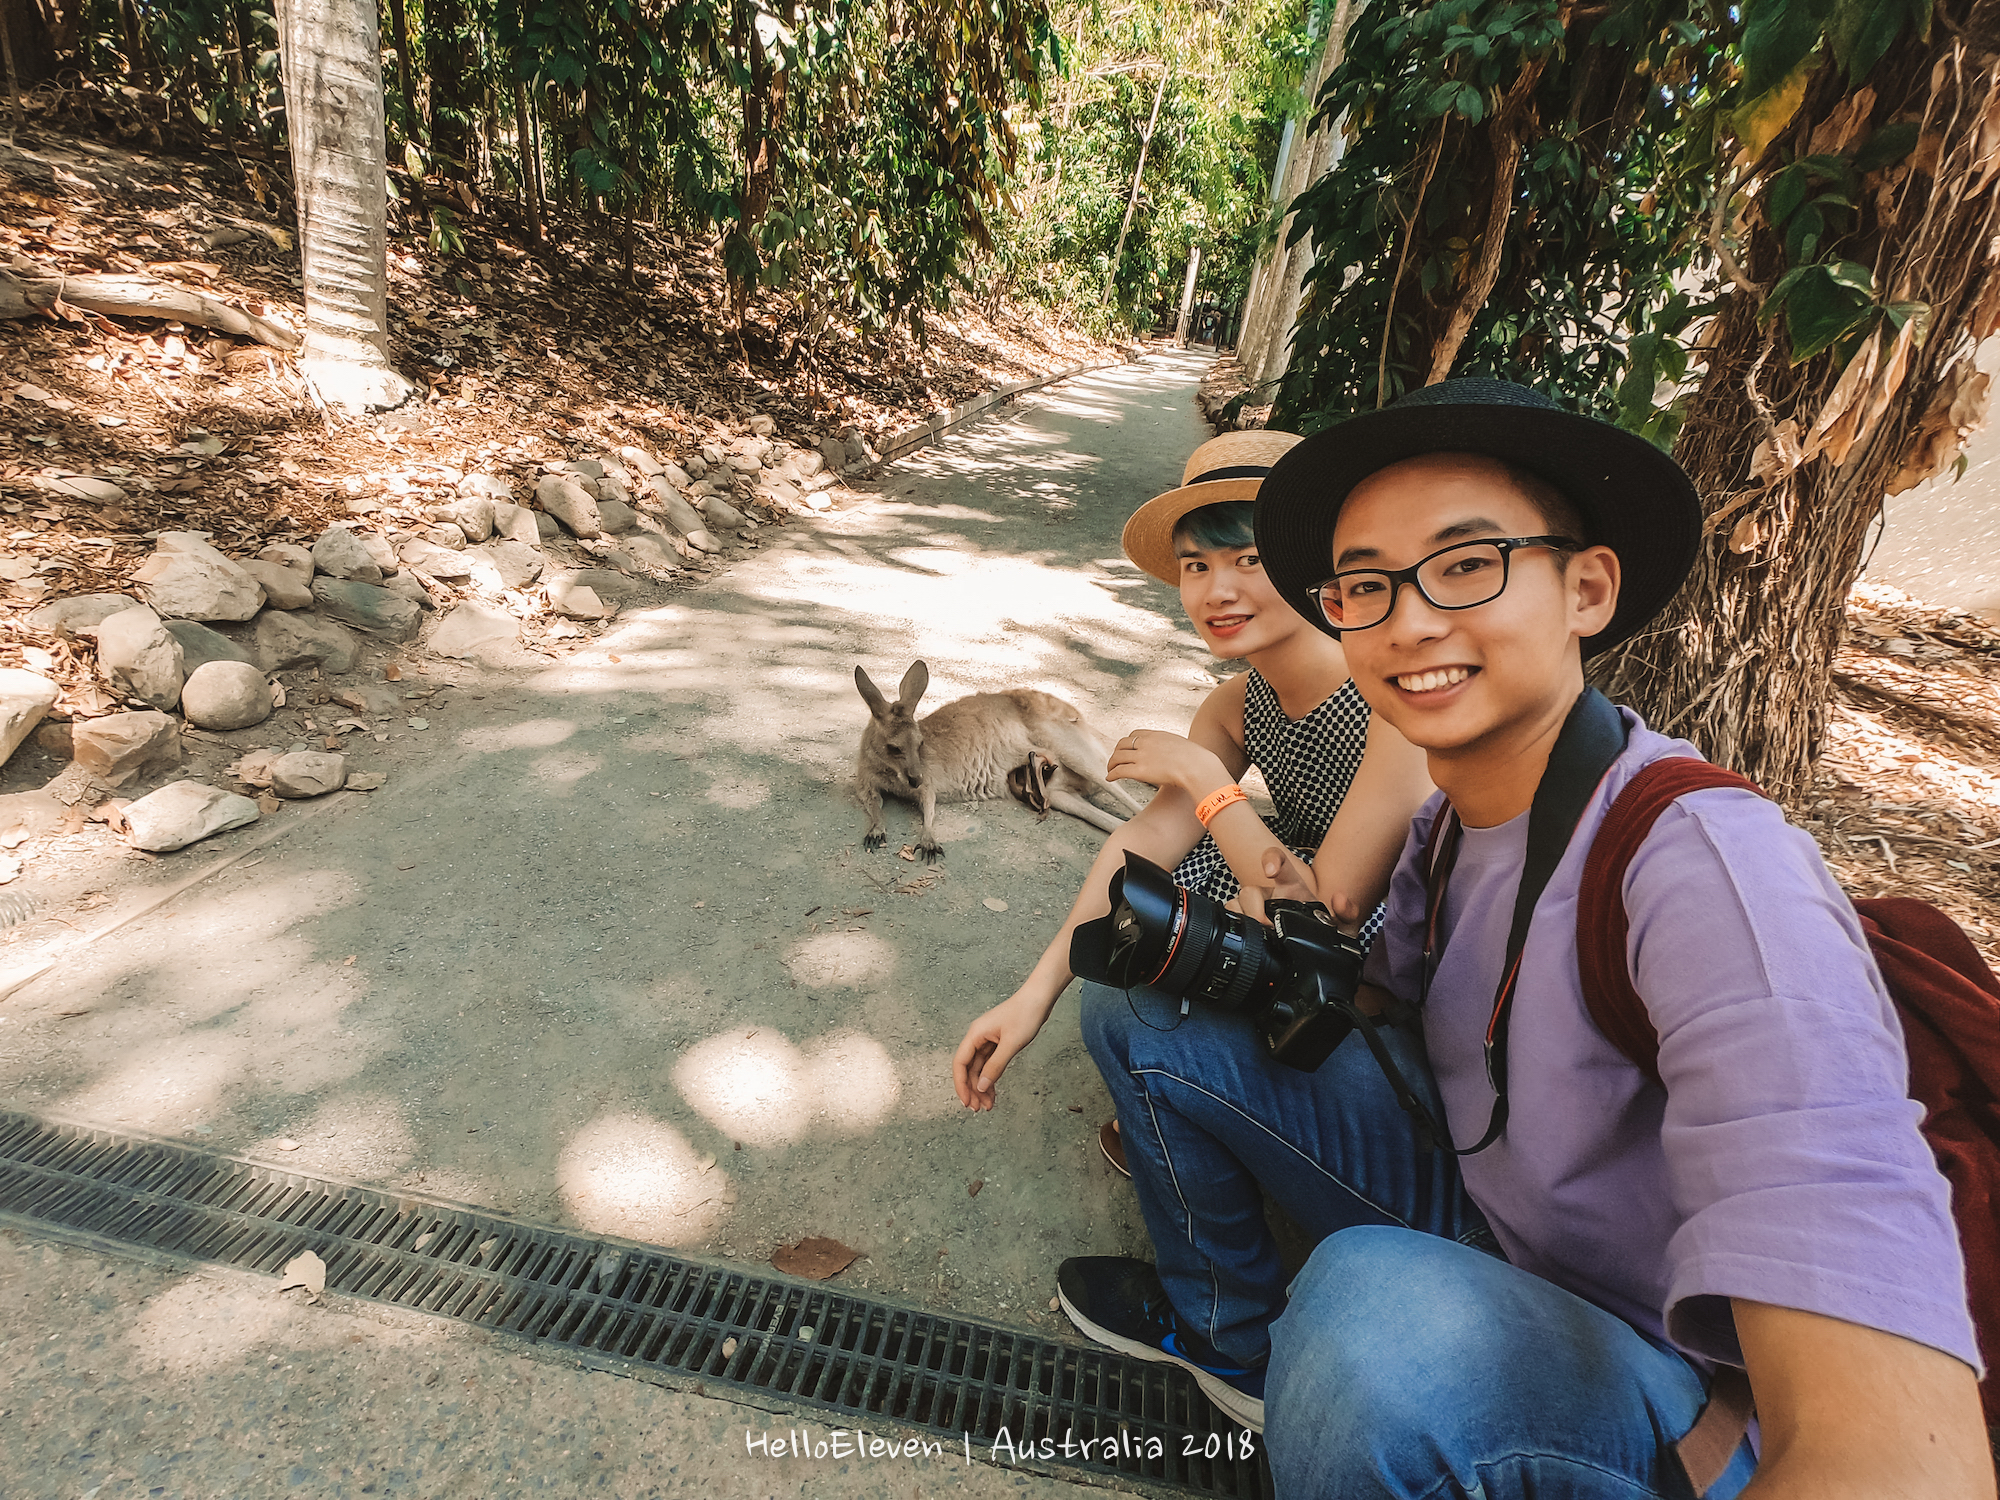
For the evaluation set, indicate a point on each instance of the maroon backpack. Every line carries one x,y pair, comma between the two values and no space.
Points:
1946,997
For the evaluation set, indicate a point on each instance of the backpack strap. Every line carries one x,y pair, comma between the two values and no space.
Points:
1603,964
1602,927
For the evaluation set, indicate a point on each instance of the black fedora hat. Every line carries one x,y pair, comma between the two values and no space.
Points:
1632,498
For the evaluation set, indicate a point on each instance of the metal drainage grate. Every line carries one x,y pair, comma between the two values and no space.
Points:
639,1310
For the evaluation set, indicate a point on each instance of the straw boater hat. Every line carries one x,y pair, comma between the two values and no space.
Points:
1630,496
1229,467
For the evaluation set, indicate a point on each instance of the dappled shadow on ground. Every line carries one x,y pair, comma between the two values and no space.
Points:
616,957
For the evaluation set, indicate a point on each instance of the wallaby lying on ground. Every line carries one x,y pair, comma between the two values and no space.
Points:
964,751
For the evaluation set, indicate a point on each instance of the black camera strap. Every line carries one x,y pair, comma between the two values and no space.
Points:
1592,737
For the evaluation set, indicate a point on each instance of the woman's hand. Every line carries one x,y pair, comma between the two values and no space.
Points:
991,1043
1163,759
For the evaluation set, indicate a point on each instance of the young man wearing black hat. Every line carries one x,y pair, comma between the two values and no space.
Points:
1771,1207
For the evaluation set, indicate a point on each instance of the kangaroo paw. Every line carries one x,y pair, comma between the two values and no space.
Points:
874,839
931,850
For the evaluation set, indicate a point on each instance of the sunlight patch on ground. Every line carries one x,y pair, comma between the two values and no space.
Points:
566,768
845,960
529,734
632,1175
200,1324
740,792
759,1087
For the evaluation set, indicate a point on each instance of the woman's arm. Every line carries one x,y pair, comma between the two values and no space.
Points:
1163,832
1359,853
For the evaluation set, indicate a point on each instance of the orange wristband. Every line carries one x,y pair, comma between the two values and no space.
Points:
1215,801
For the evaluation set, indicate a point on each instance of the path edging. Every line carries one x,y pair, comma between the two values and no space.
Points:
911,438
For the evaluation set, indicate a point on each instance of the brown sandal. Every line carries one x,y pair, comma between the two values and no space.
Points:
1113,1147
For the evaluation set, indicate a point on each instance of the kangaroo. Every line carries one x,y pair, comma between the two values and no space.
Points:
964,751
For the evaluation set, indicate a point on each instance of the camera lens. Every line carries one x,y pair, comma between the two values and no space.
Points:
1182,942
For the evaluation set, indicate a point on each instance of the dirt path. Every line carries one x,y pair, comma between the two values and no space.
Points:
612,954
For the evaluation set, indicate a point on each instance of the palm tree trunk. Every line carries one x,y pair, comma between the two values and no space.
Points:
333,106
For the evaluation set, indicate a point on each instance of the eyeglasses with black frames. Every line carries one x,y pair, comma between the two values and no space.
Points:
1461,576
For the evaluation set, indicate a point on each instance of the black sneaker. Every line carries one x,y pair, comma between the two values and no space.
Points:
1119,1302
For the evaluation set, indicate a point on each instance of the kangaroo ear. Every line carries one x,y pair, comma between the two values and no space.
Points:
914,682
871,695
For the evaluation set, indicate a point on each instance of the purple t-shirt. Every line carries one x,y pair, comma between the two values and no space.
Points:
1782,1164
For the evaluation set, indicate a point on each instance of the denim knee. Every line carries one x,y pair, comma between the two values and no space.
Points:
1404,1358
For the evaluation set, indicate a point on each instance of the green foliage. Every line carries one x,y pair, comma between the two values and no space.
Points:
1608,269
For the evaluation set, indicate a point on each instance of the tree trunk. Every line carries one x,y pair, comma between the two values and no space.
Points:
1187,296
449,58
333,106
30,48
1793,462
524,144
1132,200
399,29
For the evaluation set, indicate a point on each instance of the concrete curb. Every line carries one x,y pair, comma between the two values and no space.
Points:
912,438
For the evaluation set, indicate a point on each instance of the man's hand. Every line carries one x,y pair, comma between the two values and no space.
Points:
1851,1413
1286,878
990,1044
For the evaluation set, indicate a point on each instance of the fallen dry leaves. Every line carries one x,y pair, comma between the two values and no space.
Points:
815,1259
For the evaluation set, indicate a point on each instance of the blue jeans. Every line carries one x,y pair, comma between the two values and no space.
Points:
1411,1361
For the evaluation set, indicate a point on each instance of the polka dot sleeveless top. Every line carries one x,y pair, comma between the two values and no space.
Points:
1307,763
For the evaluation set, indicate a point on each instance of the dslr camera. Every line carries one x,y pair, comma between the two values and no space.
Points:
1295,980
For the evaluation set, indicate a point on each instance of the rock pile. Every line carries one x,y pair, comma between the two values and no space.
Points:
203,634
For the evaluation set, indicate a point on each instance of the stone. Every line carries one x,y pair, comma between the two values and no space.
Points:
789,471
781,493
83,487
818,501
832,452
472,625
546,529
200,645
141,657
449,535
650,550
609,584
381,551
289,555
78,614
712,455
54,738
474,515
189,580
578,601
25,699
226,695
808,461
280,641
119,748
411,588
720,513
340,553
515,523
616,517
696,465
583,468
676,476
611,490
308,773
565,499
857,449
284,587
743,463
762,426
183,812
504,565
368,698
28,815
640,461
369,607
439,562
486,487
254,769
757,448
682,516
